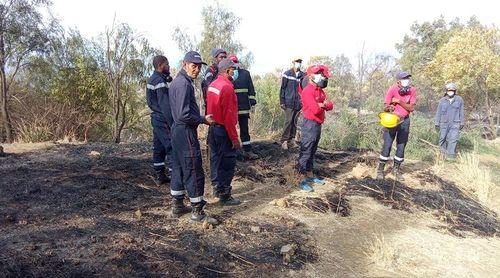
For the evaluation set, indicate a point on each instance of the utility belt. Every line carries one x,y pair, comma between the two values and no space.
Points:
183,125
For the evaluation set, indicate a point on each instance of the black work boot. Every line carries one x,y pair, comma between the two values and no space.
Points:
178,208
396,171
161,177
198,214
380,171
228,200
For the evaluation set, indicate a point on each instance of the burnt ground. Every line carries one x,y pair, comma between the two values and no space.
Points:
65,213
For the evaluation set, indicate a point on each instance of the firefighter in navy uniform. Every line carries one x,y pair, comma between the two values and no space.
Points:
161,118
290,102
187,168
211,73
245,91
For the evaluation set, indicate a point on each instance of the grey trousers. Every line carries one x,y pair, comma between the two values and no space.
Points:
291,118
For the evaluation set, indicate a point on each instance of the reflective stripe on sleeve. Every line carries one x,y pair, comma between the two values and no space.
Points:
291,78
158,86
213,90
243,90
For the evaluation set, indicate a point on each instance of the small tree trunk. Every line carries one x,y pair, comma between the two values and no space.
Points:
4,109
491,121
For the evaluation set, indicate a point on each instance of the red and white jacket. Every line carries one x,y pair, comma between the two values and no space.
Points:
311,97
222,103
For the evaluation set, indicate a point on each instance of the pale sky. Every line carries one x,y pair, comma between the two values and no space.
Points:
276,31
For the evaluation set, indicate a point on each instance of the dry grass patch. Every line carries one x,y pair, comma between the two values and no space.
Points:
467,173
378,250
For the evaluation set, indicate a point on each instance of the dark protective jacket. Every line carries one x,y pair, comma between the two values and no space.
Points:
157,98
208,77
289,91
245,92
185,110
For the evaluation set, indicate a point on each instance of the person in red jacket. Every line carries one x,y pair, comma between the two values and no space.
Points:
223,140
314,105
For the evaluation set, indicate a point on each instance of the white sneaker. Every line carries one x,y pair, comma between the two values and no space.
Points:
284,145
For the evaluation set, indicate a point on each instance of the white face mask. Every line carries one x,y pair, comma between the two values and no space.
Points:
405,82
297,65
450,93
317,78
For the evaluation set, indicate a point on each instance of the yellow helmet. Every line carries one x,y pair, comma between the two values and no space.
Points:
388,120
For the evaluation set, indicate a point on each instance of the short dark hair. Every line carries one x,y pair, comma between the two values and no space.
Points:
159,60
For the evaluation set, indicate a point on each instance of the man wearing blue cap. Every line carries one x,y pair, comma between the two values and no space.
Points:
399,99
218,54
187,169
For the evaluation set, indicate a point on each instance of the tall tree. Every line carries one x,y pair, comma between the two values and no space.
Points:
418,49
127,58
24,31
342,78
471,58
219,28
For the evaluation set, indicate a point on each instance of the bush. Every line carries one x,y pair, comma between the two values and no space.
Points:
344,130
33,134
268,118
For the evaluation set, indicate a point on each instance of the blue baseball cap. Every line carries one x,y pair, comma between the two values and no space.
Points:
216,51
193,57
402,75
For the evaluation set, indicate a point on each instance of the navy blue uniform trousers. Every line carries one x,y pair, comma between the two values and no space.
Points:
162,146
187,168
311,134
222,159
401,134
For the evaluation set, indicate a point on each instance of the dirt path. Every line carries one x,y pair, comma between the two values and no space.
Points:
64,212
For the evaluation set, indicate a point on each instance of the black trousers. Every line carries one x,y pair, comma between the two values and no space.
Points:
244,132
401,134
187,168
291,118
162,146
222,159
311,134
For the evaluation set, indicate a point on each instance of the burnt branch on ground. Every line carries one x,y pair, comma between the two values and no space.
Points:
451,205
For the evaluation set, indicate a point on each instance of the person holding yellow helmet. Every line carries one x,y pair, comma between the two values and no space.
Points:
400,101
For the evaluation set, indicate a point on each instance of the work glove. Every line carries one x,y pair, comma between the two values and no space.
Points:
436,127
